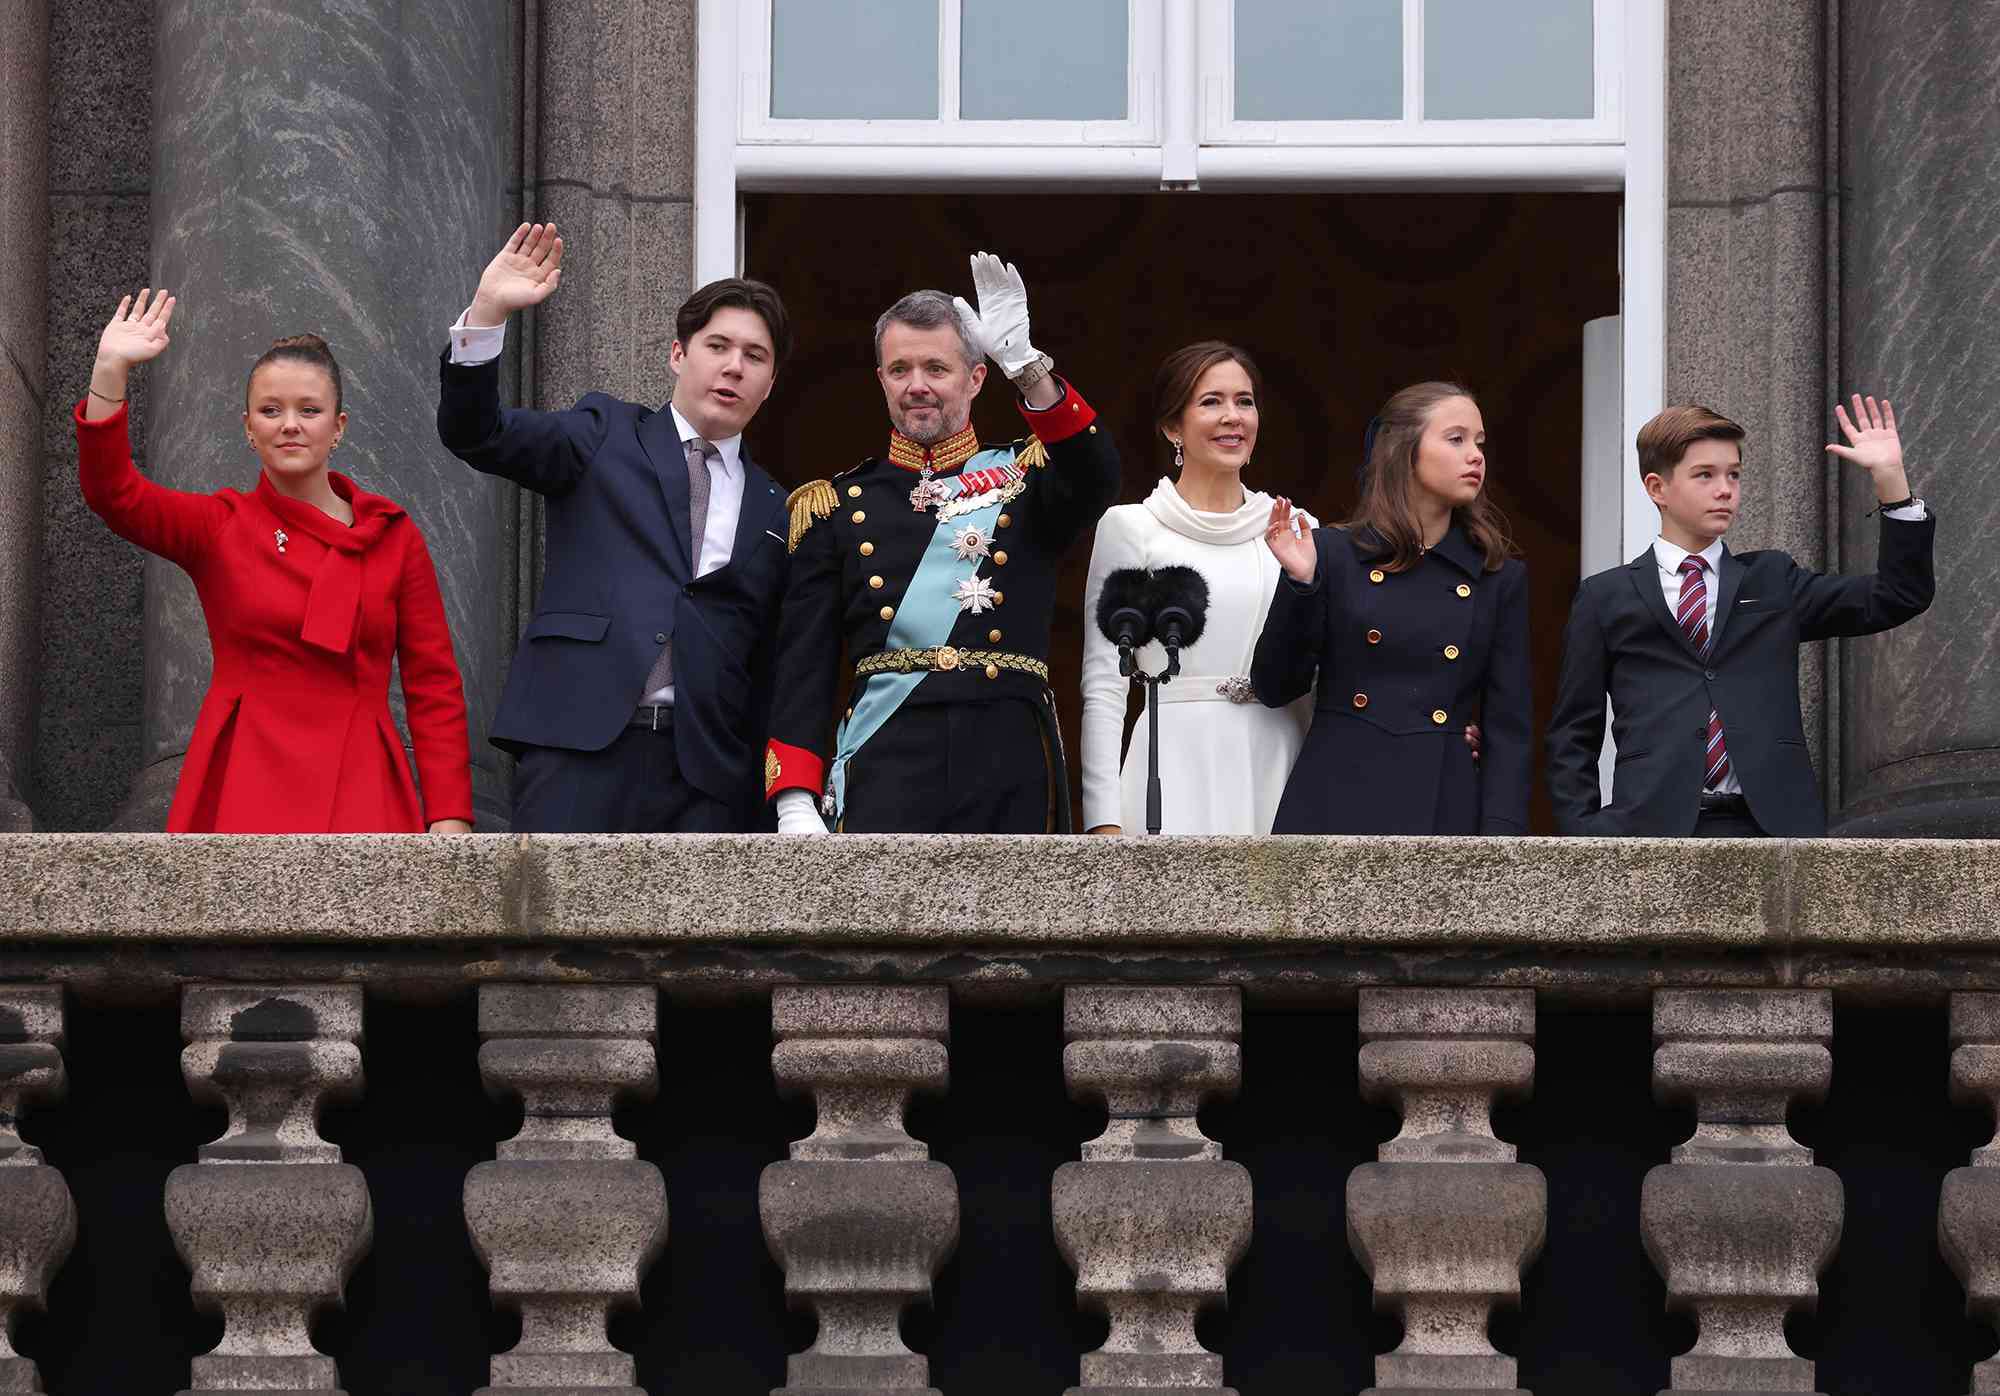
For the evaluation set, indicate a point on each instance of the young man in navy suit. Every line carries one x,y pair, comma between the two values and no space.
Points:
634,700
1698,646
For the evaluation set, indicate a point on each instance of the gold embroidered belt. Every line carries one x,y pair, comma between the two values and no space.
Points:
947,659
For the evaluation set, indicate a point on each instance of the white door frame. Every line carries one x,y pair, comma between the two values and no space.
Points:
725,166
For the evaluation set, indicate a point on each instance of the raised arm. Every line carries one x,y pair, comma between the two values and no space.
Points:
1904,583
433,692
1287,654
173,523
541,451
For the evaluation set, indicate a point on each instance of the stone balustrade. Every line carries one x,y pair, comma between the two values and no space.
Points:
574,949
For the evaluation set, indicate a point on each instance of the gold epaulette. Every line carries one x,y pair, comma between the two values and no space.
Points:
1033,453
813,500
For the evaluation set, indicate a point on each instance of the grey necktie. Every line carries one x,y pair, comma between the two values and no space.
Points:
699,453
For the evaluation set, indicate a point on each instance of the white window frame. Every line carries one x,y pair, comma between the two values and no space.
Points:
981,156
1140,126
1606,126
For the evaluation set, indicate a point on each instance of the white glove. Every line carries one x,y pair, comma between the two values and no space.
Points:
1000,325
798,813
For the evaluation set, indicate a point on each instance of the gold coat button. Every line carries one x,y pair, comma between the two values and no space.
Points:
1438,717
947,658
1376,574
888,613
868,550
993,671
854,491
858,516
1464,590
1000,559
1374,637
1451,651
998,597
992,637
1360,700
875,582
1093,428
1006,519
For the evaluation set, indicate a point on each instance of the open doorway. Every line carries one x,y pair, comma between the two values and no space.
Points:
1341,299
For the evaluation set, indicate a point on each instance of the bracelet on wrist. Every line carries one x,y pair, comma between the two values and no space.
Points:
105,396
1884,506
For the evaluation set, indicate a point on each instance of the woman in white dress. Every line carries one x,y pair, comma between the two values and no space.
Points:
1224,757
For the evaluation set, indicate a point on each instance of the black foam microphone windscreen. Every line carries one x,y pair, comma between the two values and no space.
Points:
1124,610
1180,589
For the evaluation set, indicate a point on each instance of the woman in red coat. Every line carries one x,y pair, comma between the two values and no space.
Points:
311,587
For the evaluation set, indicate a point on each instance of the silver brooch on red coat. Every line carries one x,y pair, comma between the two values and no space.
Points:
282,537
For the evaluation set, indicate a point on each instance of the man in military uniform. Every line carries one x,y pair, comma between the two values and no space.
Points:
935,567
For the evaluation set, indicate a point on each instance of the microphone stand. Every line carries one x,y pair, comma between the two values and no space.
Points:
1153,682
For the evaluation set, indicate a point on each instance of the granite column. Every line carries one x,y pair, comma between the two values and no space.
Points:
342,170
24,229
1920,228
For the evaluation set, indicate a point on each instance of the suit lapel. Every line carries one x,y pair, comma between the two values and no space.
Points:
1644,570
760,498
1730,582
662,443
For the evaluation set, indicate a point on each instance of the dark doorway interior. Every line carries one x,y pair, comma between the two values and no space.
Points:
1341,299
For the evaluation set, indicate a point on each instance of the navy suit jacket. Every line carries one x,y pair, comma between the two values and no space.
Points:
619,581
1622,640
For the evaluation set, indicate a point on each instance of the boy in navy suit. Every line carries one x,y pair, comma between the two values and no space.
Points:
1698,646
635,700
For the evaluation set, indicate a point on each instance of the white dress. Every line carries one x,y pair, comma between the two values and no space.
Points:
1223,764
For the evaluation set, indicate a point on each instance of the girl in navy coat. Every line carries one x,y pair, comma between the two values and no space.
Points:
1414,618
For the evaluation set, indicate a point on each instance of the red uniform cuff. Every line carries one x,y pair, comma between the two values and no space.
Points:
1062,421
792,768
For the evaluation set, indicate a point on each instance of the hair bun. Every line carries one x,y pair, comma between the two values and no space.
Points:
310,342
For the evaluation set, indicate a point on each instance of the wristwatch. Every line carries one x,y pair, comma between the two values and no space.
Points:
1028,378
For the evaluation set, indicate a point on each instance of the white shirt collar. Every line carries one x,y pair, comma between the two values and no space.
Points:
730,447
1670,556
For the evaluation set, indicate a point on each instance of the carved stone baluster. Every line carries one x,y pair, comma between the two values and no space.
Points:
37,1217
568,1218
1446,1219
1153,1219
270,1220
1740,1223
1969,1208
859,1217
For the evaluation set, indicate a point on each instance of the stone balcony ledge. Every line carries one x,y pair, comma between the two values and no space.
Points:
1583,918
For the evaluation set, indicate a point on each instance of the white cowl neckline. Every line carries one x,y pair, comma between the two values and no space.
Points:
1245,522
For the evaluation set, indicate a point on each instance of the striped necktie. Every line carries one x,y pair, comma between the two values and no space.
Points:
1692,613
699,453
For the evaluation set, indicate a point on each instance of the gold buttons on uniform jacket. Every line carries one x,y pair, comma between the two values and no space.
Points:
1360,700
888,613
1438,717
875,582
1374,637
992,637
1451,651
1006,519
993,671
858,516
854,491
1376,575
1000,559
1464,590
868,550
998,597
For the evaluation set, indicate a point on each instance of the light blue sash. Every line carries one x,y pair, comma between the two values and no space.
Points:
924,620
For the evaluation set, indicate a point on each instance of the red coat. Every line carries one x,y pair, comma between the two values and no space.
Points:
294,735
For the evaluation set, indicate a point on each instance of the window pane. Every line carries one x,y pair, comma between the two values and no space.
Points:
1526,58
854,59
1319,60
1043,60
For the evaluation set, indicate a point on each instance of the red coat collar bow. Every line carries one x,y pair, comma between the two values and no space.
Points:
335,597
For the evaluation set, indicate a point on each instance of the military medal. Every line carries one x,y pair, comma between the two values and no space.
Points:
928,492
974,594
969,543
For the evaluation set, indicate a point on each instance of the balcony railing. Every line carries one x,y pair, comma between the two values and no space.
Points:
1445,949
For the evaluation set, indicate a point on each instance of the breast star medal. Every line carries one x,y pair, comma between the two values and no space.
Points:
969,542
974,594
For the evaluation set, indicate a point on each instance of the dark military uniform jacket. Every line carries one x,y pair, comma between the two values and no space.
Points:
857,541
1404,661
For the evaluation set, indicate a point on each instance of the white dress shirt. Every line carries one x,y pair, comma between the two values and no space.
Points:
478,344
